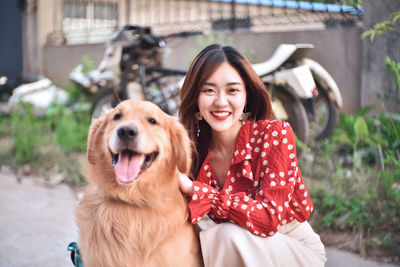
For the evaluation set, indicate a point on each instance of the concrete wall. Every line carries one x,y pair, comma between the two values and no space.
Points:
58,60
337,49
375,79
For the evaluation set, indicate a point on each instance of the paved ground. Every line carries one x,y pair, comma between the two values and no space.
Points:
37,223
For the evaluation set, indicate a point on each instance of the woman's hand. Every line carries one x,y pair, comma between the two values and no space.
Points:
185,185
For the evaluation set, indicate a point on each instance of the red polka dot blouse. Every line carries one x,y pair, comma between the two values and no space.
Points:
263,188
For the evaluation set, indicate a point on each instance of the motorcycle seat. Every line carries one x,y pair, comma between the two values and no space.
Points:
281,54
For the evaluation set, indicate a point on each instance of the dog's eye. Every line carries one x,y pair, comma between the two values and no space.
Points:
117,116
152,120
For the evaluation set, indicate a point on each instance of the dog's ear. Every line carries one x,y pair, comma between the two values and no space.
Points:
96,132
182,147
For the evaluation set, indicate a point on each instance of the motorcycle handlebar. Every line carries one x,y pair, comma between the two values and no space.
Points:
183,34
144,34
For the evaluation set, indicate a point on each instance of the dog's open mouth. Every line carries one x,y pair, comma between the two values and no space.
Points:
128,165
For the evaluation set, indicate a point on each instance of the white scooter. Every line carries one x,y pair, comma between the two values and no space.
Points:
301,88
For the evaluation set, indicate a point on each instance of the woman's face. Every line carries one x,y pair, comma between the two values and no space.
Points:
222,99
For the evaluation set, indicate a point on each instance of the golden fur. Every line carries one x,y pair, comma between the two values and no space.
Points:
142,223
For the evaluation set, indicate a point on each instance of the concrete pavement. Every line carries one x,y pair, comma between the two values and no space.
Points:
37,224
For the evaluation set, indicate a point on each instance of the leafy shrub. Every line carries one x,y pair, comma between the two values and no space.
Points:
360,175
69,128
26,132
48,144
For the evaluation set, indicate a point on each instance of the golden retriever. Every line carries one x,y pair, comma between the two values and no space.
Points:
132,212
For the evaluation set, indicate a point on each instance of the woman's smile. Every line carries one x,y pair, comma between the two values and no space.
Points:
221,115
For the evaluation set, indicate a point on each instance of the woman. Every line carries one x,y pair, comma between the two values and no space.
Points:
247,177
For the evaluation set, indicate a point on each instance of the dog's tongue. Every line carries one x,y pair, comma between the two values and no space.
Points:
128,166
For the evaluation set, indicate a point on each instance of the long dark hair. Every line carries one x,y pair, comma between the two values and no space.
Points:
203,66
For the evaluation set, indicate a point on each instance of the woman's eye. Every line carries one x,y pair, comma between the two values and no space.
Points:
207,90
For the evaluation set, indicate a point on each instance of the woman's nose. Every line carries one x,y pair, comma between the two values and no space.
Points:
221,100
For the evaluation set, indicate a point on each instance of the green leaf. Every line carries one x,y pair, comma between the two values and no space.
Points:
367,33
372,37
395,16
364,110
342,138
394,69
361,129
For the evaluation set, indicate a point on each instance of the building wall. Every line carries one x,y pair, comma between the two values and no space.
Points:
45,25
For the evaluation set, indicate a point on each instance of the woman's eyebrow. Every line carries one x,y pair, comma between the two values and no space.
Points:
229,84
234,83
209,84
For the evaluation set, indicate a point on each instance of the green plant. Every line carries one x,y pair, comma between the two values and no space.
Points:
382,27
69,127
88,64
52,145
27,133
359,185
379,29
394,69
4,130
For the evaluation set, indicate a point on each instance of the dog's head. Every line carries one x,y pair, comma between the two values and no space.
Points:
136,141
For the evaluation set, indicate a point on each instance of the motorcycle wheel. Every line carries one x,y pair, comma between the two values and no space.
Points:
326,116
288,107
104,100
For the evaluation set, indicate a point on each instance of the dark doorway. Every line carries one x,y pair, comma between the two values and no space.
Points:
11,38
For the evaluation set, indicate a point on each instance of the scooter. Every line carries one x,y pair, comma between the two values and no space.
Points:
301,88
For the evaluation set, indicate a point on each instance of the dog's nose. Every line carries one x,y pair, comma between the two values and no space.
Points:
127,132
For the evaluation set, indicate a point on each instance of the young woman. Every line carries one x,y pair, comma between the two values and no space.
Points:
246,174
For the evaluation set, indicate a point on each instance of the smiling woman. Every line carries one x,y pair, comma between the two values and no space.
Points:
222,99
246,174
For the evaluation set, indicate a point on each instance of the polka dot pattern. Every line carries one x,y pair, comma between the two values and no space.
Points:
263,188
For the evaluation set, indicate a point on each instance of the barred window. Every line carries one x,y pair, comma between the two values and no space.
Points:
89,21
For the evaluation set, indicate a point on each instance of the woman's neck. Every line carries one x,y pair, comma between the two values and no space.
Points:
224,142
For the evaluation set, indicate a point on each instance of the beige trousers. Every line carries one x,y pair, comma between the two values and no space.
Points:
229,245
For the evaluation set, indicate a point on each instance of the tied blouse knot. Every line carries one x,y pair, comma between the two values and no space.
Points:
263,188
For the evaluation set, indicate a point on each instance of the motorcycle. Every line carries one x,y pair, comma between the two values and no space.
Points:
132,68
106,75
302,91
300,87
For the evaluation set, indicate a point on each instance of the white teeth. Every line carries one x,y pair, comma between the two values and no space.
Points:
220,114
